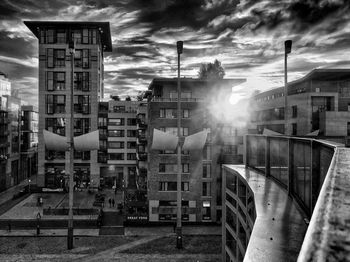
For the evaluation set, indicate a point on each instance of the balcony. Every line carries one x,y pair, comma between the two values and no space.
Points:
286,183
142,157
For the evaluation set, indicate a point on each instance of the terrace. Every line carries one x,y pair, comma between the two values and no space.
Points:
288,186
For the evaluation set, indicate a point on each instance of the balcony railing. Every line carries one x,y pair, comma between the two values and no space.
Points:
163,99
315,174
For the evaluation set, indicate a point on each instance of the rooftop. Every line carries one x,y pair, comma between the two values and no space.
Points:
103,26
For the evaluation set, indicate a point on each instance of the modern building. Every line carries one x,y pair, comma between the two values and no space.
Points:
318,103
91,40
201,171
29,141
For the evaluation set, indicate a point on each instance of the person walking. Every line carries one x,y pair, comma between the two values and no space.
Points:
110,202
113,203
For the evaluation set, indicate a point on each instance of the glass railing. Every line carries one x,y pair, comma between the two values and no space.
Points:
299,165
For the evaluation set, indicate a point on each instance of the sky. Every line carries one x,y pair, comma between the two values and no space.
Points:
247,36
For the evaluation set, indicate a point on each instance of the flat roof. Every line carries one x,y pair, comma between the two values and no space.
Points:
105,29
228,81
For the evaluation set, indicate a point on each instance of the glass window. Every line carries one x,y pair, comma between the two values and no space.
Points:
206,214
118,109
116,133
116,121
85,58
186,168
49,53
82,104
85,36
61,36
49,83
116,156
206,187
186,113
294,111
60,57
50,36
131,145
81,126
76,36
131,156
115,144
131,133
56,125
131,121
206,170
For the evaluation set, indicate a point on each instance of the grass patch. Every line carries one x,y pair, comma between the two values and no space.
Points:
58,245
192,244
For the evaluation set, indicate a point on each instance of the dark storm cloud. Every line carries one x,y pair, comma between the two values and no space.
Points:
16,47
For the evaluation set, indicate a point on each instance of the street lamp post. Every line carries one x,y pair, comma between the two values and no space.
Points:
179,45
287,50
71,150
29,185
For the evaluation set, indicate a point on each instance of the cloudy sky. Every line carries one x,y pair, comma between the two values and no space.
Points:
247,36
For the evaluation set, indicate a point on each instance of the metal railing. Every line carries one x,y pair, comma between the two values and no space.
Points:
299,165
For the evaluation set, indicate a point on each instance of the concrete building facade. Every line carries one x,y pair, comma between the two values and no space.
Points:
318,103
91,40
201,171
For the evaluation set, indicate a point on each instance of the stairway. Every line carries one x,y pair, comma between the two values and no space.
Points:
112,223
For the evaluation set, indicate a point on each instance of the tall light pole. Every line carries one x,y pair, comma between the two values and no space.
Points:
287,50
179,45
71,150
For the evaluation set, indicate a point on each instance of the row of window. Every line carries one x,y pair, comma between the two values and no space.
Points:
56,81
58,125
120,156
61,36
173,130
172,186
172,113
56,104
121,145
57,58
172,168
121,121
121,133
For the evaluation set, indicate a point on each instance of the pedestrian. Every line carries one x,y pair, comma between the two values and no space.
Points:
9,227
113,203
110,202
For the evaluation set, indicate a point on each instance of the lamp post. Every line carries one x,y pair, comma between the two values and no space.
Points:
71,150
287,50
179,45
29,185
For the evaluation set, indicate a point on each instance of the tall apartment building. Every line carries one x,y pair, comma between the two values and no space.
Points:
29,141
318,103
91,40
201,171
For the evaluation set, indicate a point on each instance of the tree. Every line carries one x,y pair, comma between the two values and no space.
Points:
115,98
140,95
127,98
211,71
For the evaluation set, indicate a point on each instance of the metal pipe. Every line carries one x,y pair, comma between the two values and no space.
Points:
71,153
179,166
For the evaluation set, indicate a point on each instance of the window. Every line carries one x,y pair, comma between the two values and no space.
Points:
206,170
81,81
76,35
131,133
172,113
60,57
82,155
81,58
131,156
185,96
82,104
116,133
131,145
61,36
55,104
173,130
294,129
55,81
85,36
115,144
116,156
49,54
118,109
348,129
56,125
172,168
50,36
131,121
172,186
294,111
81,126
102,122
206,189
116,122
206,210
229,149
207,152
